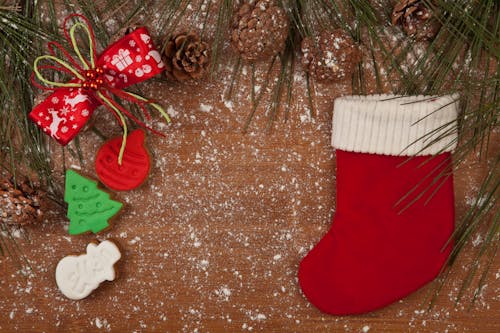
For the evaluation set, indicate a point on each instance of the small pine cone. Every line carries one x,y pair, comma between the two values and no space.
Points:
260,30
186,57
331,56
416,19
21,205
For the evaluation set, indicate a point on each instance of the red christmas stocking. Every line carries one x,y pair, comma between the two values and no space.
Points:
384,244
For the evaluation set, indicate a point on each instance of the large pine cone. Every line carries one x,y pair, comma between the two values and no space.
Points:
186,57
416,19
21,205
260,30
331,56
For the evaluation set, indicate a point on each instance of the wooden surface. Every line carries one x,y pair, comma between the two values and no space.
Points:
212,241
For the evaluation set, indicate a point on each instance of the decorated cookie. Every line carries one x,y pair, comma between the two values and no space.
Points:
89,208
78,276
135,164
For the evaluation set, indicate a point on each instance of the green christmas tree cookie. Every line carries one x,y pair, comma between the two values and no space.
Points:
89,208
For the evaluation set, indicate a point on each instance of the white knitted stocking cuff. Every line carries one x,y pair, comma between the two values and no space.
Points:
395,125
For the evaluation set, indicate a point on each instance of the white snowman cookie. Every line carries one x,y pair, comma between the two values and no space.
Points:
78,276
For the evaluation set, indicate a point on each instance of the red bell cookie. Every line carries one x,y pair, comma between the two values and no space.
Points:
133,170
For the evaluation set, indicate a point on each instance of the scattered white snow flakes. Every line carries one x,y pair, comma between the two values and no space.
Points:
256,317
75,167
277,257
365,329
198,158
306,117
229,105
477,240
172,112
224,293
102,323
203,264
196,241
260,316
16,233
206,107
134,240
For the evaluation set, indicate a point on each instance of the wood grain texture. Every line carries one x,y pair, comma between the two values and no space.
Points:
212,241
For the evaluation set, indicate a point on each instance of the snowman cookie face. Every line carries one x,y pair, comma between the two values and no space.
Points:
78,276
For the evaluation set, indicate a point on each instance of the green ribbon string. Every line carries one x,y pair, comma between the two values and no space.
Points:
77,49
62,63
124,124
154,105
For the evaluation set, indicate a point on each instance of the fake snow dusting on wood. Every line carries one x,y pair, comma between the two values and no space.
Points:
215,235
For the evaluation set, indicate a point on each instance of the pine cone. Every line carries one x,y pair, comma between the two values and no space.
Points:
331,56
21,205
260,30
416,19
186,57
